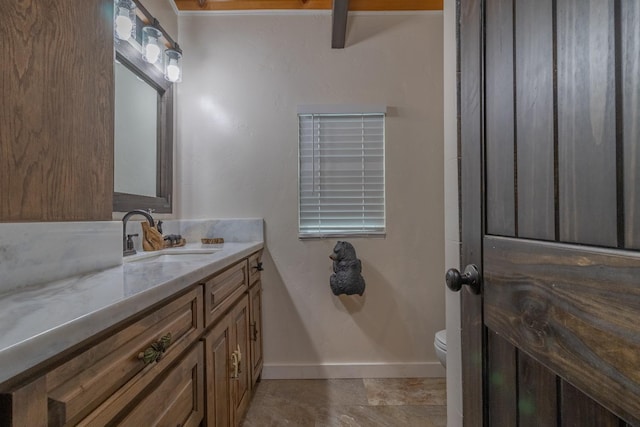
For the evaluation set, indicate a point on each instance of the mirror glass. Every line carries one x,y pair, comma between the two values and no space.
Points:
135,150
143,146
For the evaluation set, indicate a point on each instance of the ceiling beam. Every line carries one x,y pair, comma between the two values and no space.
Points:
339,23
354,5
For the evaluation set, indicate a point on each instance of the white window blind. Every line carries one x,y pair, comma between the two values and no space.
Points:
341,174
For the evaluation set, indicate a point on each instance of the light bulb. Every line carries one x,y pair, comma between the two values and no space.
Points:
125,19
173,72
151,54
172,69
124,26
151,47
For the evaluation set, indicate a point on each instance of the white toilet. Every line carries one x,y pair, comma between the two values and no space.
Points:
440,344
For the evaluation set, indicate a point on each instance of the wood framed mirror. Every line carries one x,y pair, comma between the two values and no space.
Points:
143,141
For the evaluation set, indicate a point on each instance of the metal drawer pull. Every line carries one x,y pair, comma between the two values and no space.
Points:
236,365
236,358
254,332
155,352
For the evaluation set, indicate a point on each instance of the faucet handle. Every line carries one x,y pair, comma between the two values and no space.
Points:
130,242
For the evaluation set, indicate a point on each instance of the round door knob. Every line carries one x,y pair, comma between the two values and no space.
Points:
471,277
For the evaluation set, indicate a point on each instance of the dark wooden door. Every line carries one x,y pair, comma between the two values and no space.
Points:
549,107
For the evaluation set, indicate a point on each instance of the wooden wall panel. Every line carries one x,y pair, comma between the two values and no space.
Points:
586,122
499,119
56,122
502,377
534,66
575,309
630,62
537,397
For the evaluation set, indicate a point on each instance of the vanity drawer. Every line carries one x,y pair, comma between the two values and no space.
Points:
178,400
223,289
98,383
255,267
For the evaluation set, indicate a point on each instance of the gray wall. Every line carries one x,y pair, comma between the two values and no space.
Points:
244,76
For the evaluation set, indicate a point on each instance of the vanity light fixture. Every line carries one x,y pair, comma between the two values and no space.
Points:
151,40
151,45
124,19
172,67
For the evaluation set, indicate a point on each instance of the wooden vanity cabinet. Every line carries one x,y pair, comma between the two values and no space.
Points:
228,358
177,400
211,355
101,383
95,386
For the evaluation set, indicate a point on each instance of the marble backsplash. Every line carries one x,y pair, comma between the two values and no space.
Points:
36,253
231,230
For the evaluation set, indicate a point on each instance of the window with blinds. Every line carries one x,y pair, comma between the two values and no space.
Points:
341,174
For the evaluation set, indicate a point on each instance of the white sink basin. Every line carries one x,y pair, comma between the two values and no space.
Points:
174,255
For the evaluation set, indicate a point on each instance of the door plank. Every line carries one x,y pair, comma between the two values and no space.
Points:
534,66
503,381
630,38
470,125
579,411
537,397
586,122
499,119
573,308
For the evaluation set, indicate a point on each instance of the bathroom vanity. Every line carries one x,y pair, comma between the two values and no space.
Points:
177,340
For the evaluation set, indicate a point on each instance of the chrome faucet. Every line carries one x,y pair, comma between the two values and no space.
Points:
127,243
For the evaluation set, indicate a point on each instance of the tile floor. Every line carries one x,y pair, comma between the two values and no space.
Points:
407,402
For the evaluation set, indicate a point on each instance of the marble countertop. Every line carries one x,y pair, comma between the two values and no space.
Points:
42,321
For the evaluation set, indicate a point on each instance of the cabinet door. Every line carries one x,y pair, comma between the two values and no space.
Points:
218,372
255,331
178,400
240,385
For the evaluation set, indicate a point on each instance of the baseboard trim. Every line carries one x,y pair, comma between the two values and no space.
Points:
362,370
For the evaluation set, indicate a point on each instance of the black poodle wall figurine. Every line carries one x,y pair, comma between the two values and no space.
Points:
346,277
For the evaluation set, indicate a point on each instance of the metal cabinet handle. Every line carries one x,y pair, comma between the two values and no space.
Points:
236,358
258,266
254,331
155,352
235,364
